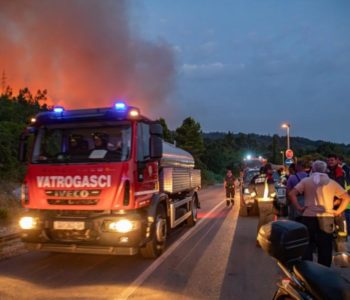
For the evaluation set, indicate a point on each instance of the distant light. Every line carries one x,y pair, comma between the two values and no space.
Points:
285,125
32,120
134,113
58,109
260,157
249,157
121,106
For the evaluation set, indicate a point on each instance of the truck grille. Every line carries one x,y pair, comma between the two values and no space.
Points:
73,235
73,193
72,201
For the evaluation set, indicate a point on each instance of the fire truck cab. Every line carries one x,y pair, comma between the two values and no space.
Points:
103,181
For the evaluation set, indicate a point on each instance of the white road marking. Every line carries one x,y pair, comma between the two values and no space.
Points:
145,274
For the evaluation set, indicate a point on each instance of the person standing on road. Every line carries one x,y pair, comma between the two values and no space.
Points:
318,212
346,170
229,184
336,172
295,177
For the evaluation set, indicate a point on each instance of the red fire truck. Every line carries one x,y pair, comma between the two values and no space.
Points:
103,181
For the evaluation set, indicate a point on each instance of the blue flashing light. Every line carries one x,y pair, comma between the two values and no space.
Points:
58,109
120,106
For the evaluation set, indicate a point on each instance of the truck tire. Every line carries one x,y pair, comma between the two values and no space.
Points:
192,219
156,246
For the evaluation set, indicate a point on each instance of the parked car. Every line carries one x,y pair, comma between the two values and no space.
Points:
249,204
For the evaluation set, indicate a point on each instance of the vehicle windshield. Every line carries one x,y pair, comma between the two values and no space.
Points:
249,176
85,144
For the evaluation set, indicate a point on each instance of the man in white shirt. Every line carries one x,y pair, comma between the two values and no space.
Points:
318,213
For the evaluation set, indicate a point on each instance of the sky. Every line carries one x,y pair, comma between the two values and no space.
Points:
250,65
233,65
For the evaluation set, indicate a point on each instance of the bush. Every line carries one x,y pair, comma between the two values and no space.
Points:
4,214
210,178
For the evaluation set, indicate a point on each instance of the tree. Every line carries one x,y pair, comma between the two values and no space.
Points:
189,137
275,149
167,134
15,112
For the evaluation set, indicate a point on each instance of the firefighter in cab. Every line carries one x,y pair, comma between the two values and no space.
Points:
229,185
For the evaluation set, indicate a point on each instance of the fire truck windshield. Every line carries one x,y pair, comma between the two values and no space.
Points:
84,144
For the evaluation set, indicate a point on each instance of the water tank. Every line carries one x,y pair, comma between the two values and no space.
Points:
176,157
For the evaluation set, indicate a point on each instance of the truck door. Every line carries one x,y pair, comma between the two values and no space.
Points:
147,170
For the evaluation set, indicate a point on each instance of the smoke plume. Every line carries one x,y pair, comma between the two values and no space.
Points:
83,52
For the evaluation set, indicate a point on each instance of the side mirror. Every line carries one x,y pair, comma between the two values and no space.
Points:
156,129
156,147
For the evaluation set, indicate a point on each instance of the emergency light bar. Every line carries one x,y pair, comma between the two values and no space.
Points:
120,106
119,111
58,109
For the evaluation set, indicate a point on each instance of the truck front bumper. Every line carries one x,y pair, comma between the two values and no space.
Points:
93,235
80,248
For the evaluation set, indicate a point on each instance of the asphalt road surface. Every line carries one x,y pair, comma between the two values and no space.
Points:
216,259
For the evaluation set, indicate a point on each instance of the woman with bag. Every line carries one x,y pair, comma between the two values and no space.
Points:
318,213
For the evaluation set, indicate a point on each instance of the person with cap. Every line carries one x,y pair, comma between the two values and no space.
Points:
229,185
317,212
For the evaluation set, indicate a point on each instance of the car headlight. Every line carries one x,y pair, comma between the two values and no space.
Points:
121,226
253,194
27,223
246,191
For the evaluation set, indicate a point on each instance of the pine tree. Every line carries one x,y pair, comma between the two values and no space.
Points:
167,134
189,137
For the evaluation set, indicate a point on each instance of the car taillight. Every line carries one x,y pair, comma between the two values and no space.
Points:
24,194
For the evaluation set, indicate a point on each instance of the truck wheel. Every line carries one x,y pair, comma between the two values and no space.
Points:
156,246
192,219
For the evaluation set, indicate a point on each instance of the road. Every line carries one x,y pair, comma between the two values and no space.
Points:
216,259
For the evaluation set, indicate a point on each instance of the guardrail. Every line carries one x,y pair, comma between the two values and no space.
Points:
8,238
10,245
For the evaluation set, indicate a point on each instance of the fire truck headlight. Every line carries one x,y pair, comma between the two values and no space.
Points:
121,226
27,223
